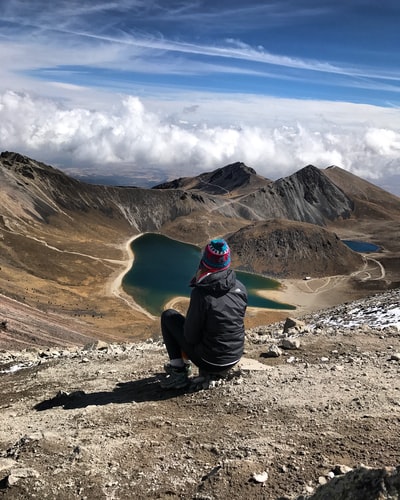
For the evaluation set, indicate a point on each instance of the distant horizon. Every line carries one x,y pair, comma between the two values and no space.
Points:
135,180
149,178
174,87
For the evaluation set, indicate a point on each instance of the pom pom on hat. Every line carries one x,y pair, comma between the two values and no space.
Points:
216,256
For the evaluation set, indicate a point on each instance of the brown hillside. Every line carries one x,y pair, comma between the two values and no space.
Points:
370,201
375,219
281,249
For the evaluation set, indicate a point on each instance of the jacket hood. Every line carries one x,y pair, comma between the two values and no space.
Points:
219,282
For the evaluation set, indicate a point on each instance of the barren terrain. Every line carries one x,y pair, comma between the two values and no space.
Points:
93,423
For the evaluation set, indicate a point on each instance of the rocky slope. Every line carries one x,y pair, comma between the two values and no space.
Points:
37,191
292,249
369,200
223,181
308,195
311,413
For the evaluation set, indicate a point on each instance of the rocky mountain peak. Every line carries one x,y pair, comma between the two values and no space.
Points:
312,178
235,177
227,179
14,157
311,191
20,163
237,169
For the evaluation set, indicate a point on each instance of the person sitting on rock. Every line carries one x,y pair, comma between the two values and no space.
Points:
211,336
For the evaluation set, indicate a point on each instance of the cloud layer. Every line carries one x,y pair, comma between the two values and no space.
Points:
131,136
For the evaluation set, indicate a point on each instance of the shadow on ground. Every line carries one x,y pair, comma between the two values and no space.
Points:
138,391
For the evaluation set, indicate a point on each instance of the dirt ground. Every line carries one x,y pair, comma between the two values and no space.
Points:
94,423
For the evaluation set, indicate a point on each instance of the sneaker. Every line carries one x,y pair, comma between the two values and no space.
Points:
202,382
168,368
177,378
207,380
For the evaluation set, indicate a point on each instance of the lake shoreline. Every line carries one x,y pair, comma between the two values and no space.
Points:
164,266
305,295
115,283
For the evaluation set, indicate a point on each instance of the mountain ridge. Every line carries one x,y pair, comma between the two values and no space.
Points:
369,199
222,181
72,194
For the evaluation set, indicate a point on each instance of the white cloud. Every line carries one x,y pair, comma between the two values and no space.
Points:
283,138
383,141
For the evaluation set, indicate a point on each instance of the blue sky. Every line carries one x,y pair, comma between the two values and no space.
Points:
166,88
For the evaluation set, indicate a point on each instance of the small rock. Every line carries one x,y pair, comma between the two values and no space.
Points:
273,351
289,323
293,323
338,470
6,463
21,473
260,478
99,345
290,343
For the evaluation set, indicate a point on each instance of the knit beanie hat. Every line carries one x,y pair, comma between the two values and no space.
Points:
216,256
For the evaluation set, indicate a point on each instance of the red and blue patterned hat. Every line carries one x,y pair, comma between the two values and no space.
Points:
216,255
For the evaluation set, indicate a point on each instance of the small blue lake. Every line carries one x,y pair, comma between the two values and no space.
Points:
361,246
163,268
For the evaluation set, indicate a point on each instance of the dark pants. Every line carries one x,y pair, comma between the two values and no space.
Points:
172,324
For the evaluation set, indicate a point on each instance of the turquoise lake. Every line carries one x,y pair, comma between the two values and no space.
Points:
361,246
163,268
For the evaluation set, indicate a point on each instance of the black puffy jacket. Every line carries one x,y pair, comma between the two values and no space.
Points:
215,318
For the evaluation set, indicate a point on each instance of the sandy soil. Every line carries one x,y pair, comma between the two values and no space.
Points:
311,295
114,283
